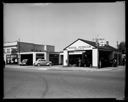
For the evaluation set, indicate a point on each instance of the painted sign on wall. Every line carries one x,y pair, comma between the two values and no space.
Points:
79,47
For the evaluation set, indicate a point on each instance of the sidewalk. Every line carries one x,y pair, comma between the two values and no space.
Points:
87,68
61,68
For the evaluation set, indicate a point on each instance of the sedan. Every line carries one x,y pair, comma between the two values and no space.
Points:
24,62
40,62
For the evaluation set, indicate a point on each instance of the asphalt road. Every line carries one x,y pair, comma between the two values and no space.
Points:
22,83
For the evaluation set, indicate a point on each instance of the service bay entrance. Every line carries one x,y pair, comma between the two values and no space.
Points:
83,58
80,58
88,54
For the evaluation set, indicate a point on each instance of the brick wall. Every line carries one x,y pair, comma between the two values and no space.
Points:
28,47
50,48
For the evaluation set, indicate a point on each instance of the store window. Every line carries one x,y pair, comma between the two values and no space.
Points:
14,59
8,59
8,50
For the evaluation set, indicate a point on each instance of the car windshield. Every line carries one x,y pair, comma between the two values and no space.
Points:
25,60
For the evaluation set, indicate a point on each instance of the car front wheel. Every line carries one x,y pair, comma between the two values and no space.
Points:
50,64
38,64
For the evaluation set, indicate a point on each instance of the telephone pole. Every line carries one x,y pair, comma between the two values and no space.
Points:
117,53
19,50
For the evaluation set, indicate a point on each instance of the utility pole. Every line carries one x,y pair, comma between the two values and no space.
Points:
117,53
117,44
19,50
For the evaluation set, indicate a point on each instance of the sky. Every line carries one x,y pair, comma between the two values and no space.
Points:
60,24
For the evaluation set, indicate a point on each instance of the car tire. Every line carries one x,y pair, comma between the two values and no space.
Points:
50,64
38,64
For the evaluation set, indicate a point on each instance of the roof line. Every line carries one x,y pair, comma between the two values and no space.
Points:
92,43
81,40
71,43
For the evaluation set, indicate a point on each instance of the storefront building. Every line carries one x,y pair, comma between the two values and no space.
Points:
88,54
16,52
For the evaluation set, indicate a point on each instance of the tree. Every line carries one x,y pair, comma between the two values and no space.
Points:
122,47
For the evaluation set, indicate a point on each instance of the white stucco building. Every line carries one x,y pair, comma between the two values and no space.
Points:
86,53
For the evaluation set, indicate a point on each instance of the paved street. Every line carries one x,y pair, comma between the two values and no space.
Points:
29,83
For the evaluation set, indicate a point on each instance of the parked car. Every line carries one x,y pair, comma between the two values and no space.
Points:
24,62
40,62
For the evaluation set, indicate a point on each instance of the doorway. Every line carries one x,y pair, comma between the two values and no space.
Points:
29,57
81,60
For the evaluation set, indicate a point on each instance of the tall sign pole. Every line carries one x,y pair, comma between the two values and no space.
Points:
117,53
19,50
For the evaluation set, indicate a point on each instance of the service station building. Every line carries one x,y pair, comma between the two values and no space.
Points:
87,53
16,52
81,53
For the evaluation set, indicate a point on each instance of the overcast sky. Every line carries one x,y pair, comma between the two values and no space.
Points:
60,24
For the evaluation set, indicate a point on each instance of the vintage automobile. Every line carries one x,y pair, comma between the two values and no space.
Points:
40,62
24,62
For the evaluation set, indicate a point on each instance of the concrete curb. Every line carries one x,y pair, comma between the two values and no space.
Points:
82,69
61,68
24,67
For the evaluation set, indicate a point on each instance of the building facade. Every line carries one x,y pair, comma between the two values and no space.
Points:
88,53
15,52
79,53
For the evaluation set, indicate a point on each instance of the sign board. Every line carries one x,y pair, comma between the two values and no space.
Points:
79,45
10,44
76,52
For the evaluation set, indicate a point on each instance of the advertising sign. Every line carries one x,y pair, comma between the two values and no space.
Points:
79,47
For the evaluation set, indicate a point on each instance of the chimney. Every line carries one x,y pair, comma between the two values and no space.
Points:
117,44
45,47
97,42
107,42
